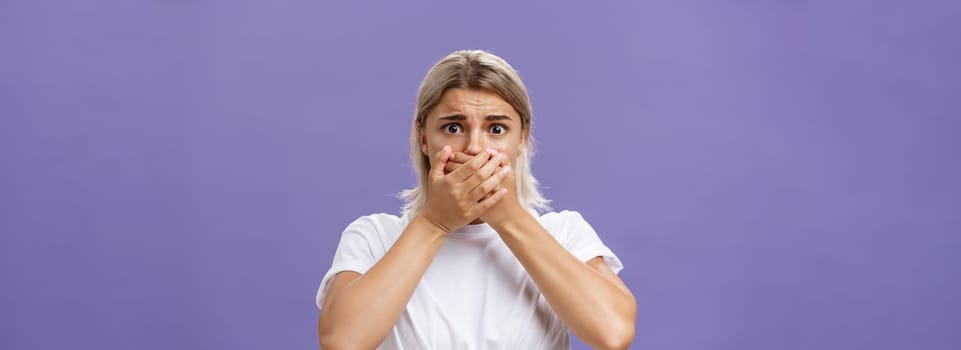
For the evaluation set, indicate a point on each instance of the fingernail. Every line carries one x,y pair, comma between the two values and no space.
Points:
506,169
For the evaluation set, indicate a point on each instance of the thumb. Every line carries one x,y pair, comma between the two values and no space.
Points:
439,161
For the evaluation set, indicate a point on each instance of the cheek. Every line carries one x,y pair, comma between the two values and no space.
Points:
512,154
435,142
513,158
509,146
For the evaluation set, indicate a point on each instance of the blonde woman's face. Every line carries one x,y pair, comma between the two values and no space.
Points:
470,121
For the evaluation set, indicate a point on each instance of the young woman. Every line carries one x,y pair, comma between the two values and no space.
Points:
472,264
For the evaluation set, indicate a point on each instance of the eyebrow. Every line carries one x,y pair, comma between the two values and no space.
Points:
461,117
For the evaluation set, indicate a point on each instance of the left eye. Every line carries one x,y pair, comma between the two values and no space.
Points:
497,129
452,128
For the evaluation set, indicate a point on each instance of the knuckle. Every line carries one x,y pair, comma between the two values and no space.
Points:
487,186
489,202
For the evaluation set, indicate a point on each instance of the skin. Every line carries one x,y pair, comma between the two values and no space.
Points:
472,121
473,137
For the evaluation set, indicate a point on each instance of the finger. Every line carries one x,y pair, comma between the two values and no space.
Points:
439,161
484,172
461,157
457,160
507,175
489,202
451,166
491,193
471,166
486,187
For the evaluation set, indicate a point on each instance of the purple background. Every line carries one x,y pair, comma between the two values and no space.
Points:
774,174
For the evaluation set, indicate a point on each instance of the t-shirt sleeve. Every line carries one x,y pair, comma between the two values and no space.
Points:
353,253
575,234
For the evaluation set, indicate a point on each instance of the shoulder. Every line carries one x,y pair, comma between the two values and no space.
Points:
373,234
563,217
377,219
564,224
578,236
378,224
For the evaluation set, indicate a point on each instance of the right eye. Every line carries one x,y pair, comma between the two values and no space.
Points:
451,128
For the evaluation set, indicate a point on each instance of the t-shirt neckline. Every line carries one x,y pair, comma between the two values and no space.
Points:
474,231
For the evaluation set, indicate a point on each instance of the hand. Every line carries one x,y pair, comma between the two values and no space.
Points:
458,197
458,159
506,208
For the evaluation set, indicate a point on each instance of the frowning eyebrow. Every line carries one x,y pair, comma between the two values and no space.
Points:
461,117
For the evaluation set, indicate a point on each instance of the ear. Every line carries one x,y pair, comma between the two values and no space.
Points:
423,142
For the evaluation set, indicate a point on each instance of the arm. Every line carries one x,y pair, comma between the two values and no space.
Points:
588,297
360,310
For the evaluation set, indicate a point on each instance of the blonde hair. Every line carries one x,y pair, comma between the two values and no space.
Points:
473,69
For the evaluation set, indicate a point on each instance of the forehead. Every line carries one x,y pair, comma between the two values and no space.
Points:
472,101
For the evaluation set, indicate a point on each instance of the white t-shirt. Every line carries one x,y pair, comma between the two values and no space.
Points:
475,294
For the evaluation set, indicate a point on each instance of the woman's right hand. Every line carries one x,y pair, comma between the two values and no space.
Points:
456,199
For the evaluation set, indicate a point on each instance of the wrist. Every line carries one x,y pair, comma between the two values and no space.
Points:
504,223
429,226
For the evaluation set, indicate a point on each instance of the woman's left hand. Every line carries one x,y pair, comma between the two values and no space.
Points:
507,207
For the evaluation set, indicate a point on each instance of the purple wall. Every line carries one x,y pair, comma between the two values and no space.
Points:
774,174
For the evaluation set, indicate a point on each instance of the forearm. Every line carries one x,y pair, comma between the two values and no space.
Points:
596,310
362,313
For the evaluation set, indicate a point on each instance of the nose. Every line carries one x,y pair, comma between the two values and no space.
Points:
475,142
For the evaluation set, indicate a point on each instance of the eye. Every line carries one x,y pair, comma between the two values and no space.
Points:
498,129
451,128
